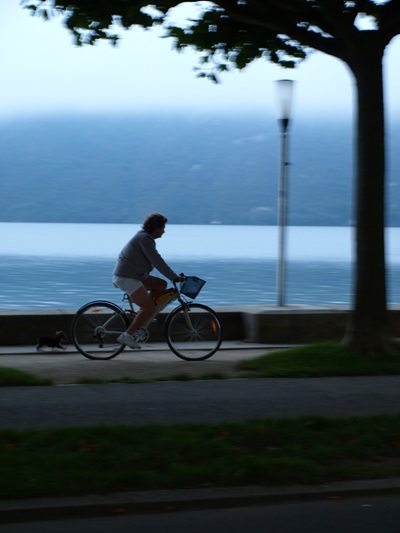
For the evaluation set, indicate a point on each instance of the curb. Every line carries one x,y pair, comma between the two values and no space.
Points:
177,500
28,349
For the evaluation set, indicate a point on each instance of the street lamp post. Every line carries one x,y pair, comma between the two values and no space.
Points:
285,93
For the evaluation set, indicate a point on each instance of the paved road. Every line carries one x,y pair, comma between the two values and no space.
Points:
366,515
196,401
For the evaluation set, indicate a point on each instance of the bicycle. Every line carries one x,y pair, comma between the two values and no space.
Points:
193,331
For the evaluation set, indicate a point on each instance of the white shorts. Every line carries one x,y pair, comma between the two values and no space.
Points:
128,285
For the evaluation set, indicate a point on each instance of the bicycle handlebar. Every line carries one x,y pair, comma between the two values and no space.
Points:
176,282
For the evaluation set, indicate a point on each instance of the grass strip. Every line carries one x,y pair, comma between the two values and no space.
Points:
318,360
103,459
10,377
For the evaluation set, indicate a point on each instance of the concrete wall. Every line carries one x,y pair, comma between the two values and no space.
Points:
296,326
23,327
273,325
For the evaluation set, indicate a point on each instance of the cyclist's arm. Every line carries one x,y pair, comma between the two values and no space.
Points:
150,251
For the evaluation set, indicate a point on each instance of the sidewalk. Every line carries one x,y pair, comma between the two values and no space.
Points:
154,360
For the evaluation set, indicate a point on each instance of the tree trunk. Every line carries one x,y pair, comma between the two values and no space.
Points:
367,327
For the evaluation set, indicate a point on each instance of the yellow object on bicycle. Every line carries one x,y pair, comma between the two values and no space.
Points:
165,296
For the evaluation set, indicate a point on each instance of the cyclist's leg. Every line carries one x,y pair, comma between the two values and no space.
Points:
154,285
145,301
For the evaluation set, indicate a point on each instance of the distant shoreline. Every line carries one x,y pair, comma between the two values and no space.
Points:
207,170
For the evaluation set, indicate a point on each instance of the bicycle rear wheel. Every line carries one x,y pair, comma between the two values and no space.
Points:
193,332
95,329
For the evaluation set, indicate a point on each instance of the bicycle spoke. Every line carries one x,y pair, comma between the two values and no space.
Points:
95,330
193,332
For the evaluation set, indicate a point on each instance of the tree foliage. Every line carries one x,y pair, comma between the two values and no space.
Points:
233,33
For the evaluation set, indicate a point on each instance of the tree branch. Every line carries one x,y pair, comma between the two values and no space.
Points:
389,23
295,19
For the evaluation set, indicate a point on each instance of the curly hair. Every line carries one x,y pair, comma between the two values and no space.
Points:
153,221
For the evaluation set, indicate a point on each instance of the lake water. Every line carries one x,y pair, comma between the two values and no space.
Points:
66,265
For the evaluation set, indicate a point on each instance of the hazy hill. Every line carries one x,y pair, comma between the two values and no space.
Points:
197,170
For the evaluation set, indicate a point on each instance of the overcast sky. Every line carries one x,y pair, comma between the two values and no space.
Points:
44,73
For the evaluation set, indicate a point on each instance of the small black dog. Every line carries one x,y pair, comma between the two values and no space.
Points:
52,341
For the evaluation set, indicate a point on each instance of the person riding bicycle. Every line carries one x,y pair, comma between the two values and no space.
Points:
132,270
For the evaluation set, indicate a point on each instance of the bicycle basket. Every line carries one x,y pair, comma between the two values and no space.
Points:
192,286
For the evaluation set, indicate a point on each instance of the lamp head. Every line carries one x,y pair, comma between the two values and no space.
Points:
285,97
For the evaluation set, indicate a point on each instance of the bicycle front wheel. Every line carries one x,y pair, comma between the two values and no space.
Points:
193,332
95,329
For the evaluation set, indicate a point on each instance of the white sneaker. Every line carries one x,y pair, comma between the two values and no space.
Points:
129,340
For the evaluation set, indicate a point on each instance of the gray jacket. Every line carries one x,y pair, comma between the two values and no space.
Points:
138,258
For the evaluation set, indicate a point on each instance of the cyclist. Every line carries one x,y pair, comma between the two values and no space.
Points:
131,274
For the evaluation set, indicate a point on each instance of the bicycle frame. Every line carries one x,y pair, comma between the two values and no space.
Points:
159,307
